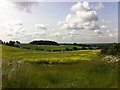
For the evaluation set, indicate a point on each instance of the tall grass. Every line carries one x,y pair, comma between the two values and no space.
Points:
92,73
83,75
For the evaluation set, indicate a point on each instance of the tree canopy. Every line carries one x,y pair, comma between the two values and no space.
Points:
42,42
112,49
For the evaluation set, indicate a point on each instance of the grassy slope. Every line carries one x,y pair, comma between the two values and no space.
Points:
35,55
85,74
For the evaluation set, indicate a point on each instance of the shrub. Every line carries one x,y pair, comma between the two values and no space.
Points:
84,48
112,49
49,50
75,48
63,49
91,48
67,49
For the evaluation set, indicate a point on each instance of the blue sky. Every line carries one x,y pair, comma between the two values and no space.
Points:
80,22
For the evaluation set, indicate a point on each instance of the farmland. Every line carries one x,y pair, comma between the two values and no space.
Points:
63,69
36,55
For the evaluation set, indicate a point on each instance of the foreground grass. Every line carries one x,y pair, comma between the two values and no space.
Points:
91,73
83,75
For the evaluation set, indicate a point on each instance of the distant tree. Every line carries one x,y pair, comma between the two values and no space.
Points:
84,48
75,48
90,48
1,42
67,49
63,49
74,43
70,49
6,43
49,50
42,42
17,42
11,43
98,47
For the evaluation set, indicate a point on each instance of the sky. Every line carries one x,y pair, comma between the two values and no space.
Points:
64,22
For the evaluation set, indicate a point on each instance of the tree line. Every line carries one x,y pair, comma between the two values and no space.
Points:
111,49
10,43
42,42
108,49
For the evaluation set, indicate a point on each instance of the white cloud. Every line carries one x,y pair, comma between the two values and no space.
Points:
5,4
81,7
83,17
104,27
110,35
57,34
14,29
41,26
73,32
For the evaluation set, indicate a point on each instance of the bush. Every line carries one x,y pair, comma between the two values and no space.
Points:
49,50
75,48
67,49
56,50
84,48
63,49
91,48
112,49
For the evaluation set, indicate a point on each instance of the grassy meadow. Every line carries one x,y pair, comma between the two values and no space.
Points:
41,68
50,57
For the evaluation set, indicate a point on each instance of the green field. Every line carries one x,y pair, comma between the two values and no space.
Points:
39,56
45,47
63,69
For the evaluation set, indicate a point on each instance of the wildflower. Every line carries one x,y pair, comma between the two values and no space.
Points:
19,61
110,59
50,62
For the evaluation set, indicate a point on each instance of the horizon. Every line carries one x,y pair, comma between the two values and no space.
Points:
63,42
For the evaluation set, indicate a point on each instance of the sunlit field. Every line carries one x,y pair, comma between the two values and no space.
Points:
64,69
50,57
59,44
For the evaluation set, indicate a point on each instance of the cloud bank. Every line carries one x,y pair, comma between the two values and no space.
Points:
83,17
41,26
